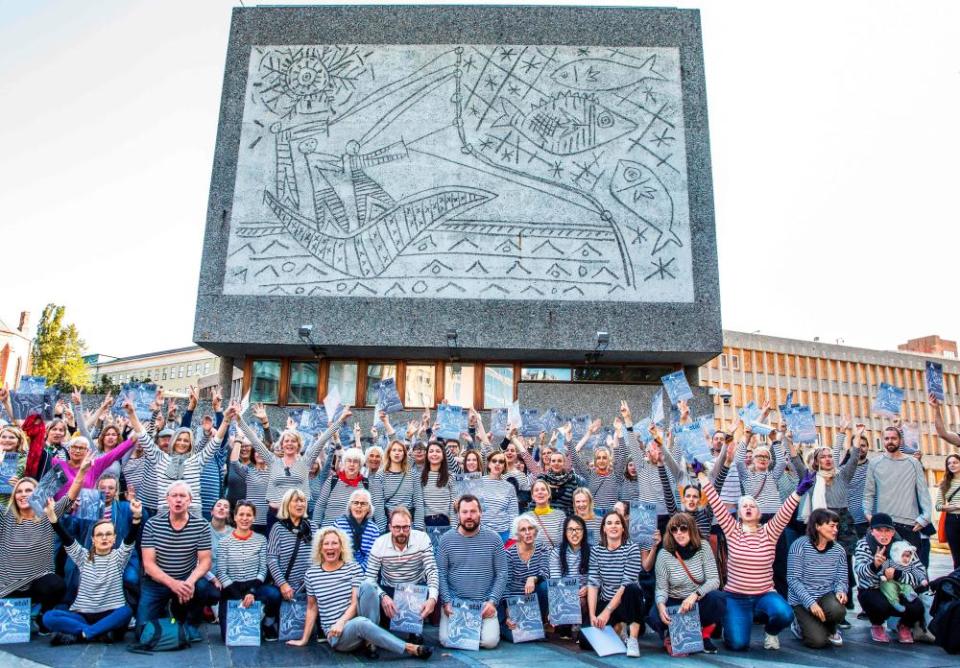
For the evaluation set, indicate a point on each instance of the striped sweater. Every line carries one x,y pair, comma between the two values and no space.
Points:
612,569
952,496
189,472
537,566
855,493
762,486
280,549
438,500
573,558
750,554
498,499
415,564
101,578
402,488
368,536
673,580
605,488
241,559
812,573
334,500
649,489
472,567
869,576
549,527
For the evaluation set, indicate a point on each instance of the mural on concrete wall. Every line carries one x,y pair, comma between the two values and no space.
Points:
509,172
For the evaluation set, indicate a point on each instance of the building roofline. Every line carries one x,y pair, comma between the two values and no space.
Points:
172,351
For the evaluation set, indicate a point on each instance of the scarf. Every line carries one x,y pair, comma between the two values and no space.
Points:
686,552
303,531
543,511
818,498
175,467
349,482
557,479
356,530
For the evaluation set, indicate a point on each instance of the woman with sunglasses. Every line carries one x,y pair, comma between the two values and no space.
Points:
572,558
686,577
613,595
498,497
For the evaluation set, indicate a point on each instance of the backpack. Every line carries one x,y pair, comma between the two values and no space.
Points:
161,635
946,612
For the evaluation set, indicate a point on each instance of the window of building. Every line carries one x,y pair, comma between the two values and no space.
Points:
163,374
419,385
343,377
181,372
206,368
730,361
458,384
620,374
303,383
265,387
497,386
377,371
189,369
554,374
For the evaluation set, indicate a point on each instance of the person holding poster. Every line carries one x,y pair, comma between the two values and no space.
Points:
528,564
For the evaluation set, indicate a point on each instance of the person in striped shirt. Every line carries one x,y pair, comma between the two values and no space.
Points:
288,546
242,571
584,509
336,488
528,565
549,520
751,548
99,609
817,572
605,473
948,502
403,556
472,566
438,487
572,558
333,584
400,482
497,496
359,525
686,573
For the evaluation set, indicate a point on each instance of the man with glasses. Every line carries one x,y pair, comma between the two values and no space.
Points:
402,556
473,567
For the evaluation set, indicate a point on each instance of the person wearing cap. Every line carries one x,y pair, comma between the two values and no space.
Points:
871,560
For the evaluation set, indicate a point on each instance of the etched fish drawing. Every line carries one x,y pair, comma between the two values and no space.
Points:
566,123
639,189
600,74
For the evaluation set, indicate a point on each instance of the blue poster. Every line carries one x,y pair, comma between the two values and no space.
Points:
692,443
686,636
524,611
911,438
529,422
643,522
563,600
657,415
463,628
49,484
141,395
888,400
749,413
387,396
243,624
934,375
14,620
677,387
498,421
550,420
579,425
642,430
409,599
32,384
467,483
8,469
449,420
436,533
801,423
293,618
311,420
90,505
41,403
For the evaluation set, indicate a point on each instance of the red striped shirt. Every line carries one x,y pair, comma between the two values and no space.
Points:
750,560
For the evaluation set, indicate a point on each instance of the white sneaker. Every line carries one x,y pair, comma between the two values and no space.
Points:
836,639
770,642
633,647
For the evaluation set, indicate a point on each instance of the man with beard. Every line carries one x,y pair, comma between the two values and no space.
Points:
473,567
895,486
402,556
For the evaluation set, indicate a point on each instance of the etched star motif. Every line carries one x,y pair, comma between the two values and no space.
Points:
491,82
506,54
531,64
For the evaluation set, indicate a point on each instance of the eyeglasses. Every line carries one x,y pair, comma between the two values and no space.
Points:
359,503
405,528
104,534
574,530
679,529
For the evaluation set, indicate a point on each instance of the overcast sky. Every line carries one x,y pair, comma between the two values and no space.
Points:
833,128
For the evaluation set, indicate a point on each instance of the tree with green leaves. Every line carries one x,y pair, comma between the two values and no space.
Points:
58,351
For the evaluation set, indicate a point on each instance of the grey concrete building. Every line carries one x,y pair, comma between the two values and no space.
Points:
470,199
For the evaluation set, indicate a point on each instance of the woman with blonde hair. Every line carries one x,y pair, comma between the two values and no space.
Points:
13,440
583,508
288,546
332,585
400,482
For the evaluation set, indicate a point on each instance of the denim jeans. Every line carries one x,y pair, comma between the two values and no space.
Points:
360,629
742,608
154,598
89,625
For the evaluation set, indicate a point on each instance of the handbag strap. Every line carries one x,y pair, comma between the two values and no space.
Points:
687,569
296,550
545,532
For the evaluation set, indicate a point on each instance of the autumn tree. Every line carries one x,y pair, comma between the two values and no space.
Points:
58,351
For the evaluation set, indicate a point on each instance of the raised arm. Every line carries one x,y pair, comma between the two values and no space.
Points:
333,428
949,437
265,453
669,498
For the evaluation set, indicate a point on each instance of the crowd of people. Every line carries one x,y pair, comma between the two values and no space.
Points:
194,516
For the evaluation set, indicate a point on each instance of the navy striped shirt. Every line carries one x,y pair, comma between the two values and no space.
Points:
812,573
176,550
472,567
538,566
333,590
612,569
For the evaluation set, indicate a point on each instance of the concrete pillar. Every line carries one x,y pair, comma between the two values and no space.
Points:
226,377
